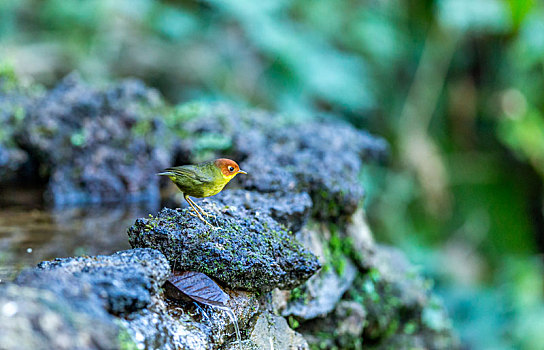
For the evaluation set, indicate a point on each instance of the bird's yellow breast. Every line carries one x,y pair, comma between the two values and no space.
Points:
214,188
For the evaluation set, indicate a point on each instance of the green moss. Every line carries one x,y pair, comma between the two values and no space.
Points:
143,127
125,340
293,322
188,111
18,114
385,313
299,294
78,139
337,250
410,328
8,78
324,340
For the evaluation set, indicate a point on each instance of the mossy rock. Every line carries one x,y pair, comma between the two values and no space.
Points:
246,251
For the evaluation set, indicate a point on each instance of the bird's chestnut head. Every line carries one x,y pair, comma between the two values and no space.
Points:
229,168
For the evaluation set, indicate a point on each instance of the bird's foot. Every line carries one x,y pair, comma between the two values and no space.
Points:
209,215
203,212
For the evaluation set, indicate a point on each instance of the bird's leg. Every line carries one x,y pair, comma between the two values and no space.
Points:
196,211
200,209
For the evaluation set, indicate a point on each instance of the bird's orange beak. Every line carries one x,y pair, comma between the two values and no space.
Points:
241,172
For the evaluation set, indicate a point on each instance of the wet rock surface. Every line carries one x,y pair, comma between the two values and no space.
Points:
245,252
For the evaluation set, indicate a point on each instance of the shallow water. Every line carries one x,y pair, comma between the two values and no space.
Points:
31,232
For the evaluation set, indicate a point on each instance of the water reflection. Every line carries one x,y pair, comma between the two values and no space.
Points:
30,233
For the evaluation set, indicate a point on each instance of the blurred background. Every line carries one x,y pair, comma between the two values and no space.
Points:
455,86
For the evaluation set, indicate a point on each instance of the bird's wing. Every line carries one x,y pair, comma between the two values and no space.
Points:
191,172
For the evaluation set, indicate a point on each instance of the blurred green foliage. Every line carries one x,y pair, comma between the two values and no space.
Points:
456,86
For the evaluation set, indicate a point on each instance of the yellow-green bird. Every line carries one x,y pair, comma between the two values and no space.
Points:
202,180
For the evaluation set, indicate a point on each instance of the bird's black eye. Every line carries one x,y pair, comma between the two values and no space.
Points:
231,169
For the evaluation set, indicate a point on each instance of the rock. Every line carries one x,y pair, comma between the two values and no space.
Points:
272,332
387,304
320,294
39,319
387,293
267,177
250,252
320,157
290,209
348,321
400,310
156,327
97,145
218,321
169,324
392,268
351,318
105,145
125,281
68,288
360,237
244,307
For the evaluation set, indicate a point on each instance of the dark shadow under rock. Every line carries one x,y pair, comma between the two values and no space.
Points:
124,281
247,251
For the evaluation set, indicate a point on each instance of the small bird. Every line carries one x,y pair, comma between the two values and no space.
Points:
202,180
